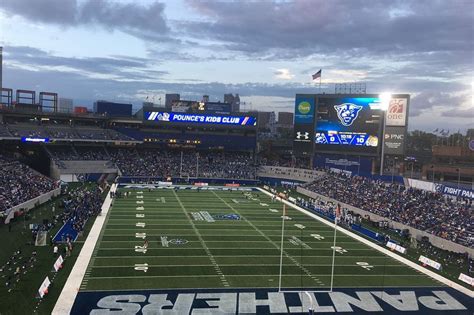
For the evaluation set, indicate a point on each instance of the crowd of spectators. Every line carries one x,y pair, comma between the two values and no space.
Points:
284,161
70,153
169,163
443,216
19,183
80,205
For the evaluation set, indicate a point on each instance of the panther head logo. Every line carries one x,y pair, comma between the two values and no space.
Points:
347,113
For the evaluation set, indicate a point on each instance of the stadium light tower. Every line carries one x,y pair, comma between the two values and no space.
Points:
384,102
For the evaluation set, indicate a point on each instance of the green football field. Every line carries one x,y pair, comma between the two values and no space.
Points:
225,239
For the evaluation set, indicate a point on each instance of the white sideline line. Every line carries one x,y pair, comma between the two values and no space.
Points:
387,252
73,283
250,275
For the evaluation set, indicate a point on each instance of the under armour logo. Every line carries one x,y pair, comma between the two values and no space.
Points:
302,135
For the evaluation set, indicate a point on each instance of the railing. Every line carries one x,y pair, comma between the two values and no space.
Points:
30,204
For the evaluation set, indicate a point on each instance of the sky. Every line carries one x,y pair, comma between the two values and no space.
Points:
125,50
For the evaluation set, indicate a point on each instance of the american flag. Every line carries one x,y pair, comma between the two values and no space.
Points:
317,74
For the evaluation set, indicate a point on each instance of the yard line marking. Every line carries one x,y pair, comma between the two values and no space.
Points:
265,236
232,248
181,256
203,244
137,235
239,265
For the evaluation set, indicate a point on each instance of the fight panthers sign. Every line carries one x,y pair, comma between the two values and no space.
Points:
249,301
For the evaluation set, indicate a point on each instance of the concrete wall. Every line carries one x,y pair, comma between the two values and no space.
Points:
289,173
73,168
30,204
417,234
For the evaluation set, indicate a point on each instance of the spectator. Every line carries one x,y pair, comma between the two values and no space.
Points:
427,211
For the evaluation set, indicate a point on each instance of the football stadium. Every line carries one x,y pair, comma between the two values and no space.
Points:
125,189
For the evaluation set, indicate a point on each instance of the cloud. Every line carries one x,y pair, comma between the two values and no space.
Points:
460,113
351,27
448,104
283,74
132,18
114,67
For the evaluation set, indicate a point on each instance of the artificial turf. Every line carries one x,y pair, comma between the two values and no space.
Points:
225,239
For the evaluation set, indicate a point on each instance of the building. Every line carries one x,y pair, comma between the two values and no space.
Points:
205,98
285,120
266,121
234,101
65,105
112,109
170,98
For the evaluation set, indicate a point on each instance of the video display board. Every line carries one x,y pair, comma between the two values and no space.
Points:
182,106
217,108
348,124
185,118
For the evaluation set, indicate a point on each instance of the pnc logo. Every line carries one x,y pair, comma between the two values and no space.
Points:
304,107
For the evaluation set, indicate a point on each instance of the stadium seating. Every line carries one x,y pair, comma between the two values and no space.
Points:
432,212
19,183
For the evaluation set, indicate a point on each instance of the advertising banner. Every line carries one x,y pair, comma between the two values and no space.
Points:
397,112
173,117
396,247
43,290
426,261
466,279
353,164
394,140
304,109
58,263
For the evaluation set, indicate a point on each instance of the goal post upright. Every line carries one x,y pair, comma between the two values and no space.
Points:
306,292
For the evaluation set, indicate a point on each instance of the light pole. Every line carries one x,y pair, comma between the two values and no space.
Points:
197,164
358,168
459,176
433,172
384,102
394,164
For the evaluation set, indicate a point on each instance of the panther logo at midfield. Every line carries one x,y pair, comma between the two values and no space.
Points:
347,113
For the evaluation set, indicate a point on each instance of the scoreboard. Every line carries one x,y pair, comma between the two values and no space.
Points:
348,124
